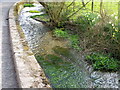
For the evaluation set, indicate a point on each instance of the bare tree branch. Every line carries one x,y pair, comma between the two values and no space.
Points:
71,3
78,10
83,3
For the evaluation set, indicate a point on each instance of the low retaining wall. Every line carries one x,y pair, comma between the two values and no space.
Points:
29,73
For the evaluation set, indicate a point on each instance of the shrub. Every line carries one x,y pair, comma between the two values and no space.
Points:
60,33
103,62
87,20
28,5
34,11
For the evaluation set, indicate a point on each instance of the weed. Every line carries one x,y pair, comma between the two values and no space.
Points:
87,20
74,39
28,5
34,11
42,17
103,62
60,33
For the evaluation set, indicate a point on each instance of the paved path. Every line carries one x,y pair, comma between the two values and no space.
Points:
8,79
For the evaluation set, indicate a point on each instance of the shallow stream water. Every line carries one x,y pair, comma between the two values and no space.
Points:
67,72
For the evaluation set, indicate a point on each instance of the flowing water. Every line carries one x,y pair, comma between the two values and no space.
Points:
64,67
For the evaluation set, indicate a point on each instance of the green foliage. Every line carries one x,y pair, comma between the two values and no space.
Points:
103,62
28,5
40,17
60,33
35,16
34,11
74,39
108,27
87,20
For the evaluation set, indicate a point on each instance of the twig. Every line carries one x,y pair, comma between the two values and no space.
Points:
78,9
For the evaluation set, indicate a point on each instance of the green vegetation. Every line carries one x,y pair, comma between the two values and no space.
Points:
60,71
62,51
54,59
103,62
34,11
75,42
87,20
42,17
90,27
28,5
74,39
60,33
35,16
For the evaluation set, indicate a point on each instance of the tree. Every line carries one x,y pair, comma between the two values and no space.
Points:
60,11
83,3
92,7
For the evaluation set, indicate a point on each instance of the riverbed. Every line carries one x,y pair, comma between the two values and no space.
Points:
70,72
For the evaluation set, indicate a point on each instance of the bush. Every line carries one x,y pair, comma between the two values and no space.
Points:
60,33
102,62
34,11
87,20
28,5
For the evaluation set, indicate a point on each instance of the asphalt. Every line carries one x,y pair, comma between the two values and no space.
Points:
7,69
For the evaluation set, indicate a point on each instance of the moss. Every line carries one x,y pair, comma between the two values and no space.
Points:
39,58
20,31
54,59
43,17
28,5
34,11
62,51
26,48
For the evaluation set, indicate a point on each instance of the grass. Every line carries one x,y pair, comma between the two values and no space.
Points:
34,11
28,5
